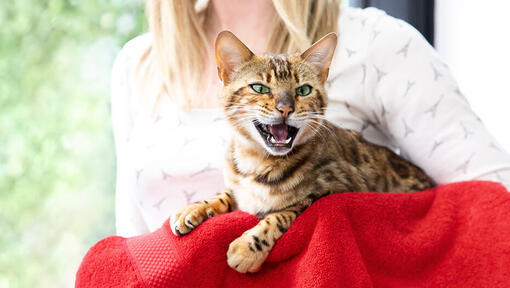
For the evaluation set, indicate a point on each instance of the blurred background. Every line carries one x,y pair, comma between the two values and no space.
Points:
57,160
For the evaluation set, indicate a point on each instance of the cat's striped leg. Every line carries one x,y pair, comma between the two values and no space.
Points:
248,252
193,215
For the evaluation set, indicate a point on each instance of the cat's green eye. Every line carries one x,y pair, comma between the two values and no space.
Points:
304,90
259,88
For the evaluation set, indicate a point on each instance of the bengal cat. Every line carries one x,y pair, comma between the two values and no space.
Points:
284,155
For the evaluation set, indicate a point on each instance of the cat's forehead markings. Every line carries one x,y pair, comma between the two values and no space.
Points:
281,67
296,77
269,76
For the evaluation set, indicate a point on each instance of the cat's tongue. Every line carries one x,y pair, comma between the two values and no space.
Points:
279,132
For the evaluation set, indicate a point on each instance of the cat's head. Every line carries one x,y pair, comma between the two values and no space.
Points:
276,101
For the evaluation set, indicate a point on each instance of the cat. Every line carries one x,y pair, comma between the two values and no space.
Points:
284,155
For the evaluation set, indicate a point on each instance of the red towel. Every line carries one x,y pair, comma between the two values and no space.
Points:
456,235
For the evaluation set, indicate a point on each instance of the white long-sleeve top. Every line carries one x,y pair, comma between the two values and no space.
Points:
385,81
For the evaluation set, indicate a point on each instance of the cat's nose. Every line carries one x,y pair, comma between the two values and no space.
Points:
285,109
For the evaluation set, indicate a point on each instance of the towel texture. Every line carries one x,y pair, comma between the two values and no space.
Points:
455,235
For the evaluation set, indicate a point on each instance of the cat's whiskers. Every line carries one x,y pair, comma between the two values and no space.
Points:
330,109
238,110
242,120
313,113
242,115
238,106
241,109
315,130
232,104
321,124
318,115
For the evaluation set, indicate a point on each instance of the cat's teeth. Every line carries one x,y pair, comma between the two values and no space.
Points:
272,140
288,140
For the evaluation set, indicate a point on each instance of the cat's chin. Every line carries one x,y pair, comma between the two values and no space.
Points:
278,151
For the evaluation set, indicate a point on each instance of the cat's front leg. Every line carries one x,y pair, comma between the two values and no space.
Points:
188,218
248,252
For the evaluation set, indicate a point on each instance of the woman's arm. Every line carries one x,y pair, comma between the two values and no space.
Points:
420,107
129,220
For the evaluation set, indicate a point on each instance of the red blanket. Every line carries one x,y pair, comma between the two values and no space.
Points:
456,235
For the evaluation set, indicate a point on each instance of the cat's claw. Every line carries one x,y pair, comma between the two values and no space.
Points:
243,258
187,219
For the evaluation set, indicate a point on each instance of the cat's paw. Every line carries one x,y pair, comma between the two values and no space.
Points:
188,218
245,255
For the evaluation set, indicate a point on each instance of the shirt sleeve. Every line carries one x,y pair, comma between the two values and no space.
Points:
128,218
422,110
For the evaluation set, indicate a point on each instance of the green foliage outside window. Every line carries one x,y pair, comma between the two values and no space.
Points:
57,159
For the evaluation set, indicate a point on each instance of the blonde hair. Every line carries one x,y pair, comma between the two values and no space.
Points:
178,51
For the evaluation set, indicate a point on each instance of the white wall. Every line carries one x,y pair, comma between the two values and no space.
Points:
473,38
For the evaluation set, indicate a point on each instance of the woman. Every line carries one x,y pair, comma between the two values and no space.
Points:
385,81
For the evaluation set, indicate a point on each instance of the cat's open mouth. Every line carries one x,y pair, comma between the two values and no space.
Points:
278,135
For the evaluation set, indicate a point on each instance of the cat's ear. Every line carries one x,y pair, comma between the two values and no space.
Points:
230,52
320,54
